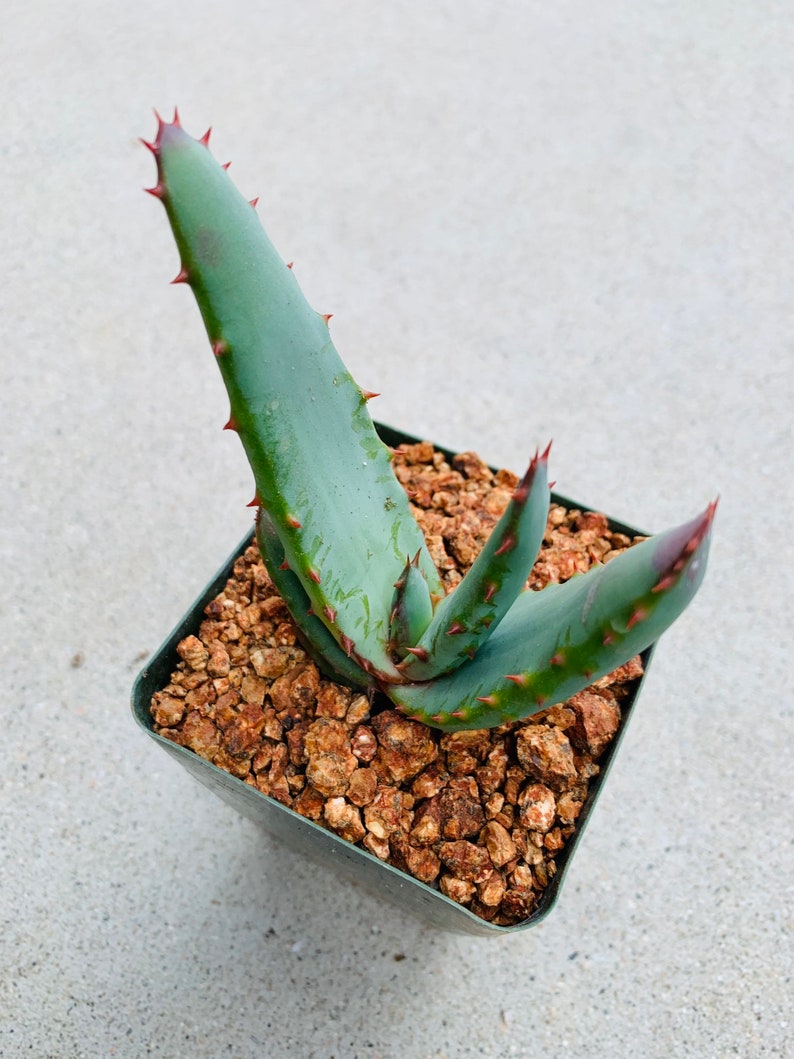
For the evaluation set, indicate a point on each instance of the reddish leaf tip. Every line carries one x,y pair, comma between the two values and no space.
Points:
181,276
220,347
292,522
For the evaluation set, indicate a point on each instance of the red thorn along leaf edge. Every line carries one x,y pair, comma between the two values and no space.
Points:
418,652
507,545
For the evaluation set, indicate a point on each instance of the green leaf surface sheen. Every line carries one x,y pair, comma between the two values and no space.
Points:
469,615
412,607
321,471
555,642
317,639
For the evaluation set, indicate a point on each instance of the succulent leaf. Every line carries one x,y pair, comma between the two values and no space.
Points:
319,642
320,469
555,642
465,619
412,607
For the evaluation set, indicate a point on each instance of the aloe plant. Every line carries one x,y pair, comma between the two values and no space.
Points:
336,530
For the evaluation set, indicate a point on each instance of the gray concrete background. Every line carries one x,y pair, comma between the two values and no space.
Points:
530,220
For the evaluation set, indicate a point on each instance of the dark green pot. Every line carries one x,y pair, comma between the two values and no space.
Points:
357,865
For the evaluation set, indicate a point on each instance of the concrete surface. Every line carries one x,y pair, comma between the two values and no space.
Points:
530,220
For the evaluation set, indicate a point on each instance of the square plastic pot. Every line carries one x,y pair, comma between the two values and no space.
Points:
352,862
